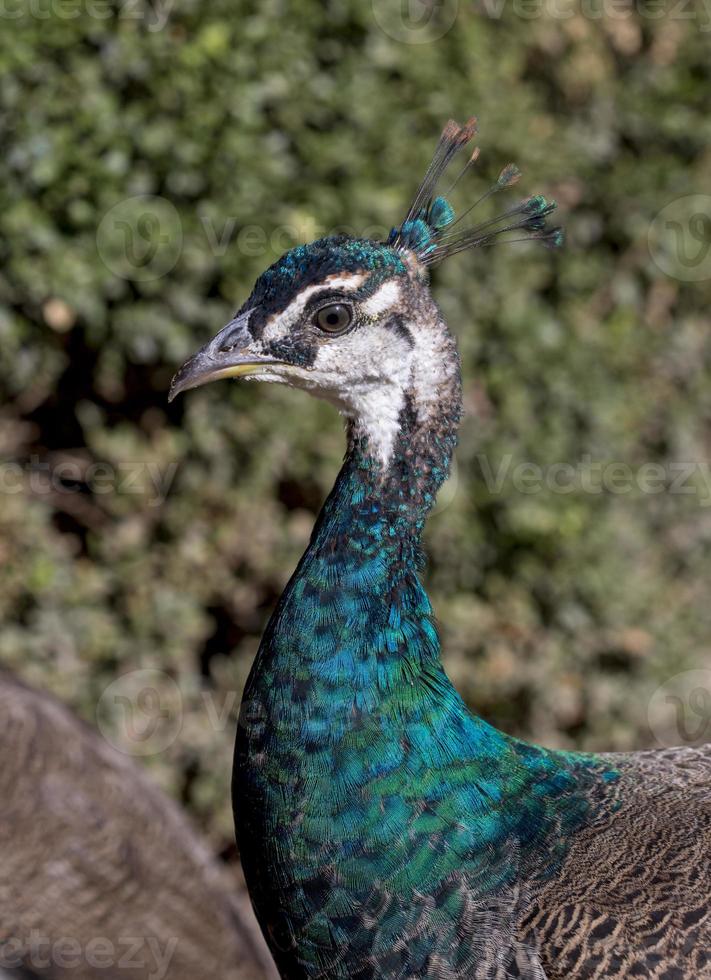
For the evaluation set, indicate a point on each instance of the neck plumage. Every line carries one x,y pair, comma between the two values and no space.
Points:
355,623
386,501
349,724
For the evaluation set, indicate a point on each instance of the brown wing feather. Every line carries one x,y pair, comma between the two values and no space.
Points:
633,898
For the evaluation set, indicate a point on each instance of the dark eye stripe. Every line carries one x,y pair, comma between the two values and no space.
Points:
259,317
262,312
327,297
352,296
397,324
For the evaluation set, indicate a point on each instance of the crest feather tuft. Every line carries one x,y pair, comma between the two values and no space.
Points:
428,226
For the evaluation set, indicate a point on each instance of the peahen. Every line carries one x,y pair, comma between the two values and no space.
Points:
101,875
385,830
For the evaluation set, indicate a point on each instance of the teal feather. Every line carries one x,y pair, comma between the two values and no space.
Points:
441,213
371,767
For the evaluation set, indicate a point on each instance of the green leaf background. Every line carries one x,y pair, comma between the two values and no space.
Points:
258,125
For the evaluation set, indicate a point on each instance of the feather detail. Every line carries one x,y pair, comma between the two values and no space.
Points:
427,229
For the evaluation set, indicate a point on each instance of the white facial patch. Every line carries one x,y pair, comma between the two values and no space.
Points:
434,367
365,374
382,299
380,367
280,323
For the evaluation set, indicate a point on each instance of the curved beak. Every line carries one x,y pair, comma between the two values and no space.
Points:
230,354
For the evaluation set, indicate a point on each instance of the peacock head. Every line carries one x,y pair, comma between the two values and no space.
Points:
352,320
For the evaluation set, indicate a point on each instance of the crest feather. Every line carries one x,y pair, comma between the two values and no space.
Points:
427,229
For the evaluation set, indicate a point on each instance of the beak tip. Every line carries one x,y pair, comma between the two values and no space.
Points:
182,379
214,361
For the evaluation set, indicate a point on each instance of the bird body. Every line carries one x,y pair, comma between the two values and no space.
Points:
100,874
386,831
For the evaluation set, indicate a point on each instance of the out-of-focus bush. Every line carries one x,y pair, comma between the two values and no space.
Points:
157,158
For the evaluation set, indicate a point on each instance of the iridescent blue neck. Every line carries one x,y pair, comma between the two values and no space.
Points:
351,734
377,511
354,623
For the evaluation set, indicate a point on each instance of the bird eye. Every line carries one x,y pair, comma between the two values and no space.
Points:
334,319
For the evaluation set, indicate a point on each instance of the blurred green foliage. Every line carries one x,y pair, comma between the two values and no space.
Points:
257,125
